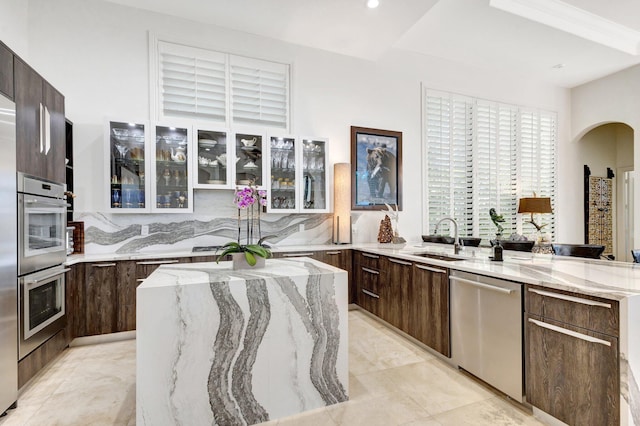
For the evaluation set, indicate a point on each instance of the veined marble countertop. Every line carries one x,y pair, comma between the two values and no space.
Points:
608,279
218,346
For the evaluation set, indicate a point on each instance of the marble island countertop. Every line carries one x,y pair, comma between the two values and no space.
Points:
608,279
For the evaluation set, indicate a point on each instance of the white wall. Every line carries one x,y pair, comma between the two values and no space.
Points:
615,98
96,53
13,25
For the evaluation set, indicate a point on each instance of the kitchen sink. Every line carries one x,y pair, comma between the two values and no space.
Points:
437,256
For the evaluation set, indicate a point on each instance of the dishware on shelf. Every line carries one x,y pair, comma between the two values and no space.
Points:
179,154
207,142
222,159
249,142
250,165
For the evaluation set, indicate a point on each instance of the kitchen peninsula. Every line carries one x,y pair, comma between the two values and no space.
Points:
217,346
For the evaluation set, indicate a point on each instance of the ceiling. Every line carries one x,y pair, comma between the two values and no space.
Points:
465,31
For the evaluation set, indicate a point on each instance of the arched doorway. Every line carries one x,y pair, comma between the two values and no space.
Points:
610,146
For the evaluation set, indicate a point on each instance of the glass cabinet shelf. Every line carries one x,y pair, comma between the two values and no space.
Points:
249,168
171,186
213,170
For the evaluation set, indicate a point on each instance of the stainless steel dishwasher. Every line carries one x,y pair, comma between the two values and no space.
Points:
486,330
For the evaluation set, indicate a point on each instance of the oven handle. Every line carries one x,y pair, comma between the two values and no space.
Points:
39,280
52,202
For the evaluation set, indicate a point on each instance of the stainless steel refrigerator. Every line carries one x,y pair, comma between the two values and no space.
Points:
8,257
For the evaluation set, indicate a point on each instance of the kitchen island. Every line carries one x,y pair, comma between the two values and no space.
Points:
217,346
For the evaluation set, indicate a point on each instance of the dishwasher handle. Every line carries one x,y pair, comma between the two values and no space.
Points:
482,285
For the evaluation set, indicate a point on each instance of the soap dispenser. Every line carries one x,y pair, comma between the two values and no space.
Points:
497,253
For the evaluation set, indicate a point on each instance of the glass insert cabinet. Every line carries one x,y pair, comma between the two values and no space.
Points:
149,168
298,180
155,167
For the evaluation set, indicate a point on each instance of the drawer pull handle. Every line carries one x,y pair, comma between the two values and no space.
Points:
368,293
370,256
371,271
426,268
570,298
158,262
400,262
482,285
103,265
569,332
297,254
140,279
333,252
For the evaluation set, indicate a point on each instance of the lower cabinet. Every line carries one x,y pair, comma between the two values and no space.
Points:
394,296
101,281
340,259
368,288
572,372
428,307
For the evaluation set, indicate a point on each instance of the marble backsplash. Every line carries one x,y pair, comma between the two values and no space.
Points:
108,233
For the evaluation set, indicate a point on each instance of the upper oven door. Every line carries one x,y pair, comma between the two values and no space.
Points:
41,232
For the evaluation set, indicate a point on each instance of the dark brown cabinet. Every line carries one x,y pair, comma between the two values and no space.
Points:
571,355
394,296
101,280
368,278
75,301
428,307
126,295
6,71
40,125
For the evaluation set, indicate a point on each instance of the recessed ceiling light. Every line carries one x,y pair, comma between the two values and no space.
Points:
372,4
558,66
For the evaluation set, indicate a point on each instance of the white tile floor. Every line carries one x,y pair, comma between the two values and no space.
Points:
392,382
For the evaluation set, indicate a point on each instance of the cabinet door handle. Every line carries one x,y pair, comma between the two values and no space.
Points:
436,270
570,298
400,262
368,293
157,262
569,332
297,254
371,271
103,265
140,279
370,256
47,131
41,128
482,285
333,253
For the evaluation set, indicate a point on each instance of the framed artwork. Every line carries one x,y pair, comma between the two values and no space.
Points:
376,168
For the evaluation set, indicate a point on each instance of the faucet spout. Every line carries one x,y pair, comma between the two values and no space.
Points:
456,240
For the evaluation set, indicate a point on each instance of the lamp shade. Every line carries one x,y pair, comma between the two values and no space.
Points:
342,203
535,205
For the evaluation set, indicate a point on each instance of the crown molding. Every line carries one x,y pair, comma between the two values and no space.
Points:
576,21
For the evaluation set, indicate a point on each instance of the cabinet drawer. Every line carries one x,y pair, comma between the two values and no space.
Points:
591,313
368,260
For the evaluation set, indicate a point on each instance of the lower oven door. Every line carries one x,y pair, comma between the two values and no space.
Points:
42,308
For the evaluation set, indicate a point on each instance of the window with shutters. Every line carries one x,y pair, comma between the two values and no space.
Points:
481,155
205,85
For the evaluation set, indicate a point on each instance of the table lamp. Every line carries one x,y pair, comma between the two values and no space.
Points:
535,205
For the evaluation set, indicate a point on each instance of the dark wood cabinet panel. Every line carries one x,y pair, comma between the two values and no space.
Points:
366,259
40,357
6,71
394,297
75,301
101,298
592,313
55,157
368,288
573,379
429,307
126,296
40,152
144,268
29,99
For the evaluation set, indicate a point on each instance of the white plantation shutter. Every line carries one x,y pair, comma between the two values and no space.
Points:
259,92
481,155
449,171
205,85
192,82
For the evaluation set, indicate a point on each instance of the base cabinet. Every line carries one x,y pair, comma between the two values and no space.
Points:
101,280
394,297
340,259
572,372
428,307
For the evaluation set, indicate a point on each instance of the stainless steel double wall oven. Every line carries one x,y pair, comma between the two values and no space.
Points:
42,226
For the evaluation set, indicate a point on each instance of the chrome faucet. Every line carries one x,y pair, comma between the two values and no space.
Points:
456,241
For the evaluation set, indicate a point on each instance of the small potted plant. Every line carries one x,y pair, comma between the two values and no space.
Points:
249,255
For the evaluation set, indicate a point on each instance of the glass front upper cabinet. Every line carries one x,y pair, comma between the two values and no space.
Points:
313,188
172,190
283,161
214,162
128,167
249,167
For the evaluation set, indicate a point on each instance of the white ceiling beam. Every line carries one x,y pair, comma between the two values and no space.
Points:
576,21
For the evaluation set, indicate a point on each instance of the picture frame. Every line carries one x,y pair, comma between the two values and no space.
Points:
376,169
